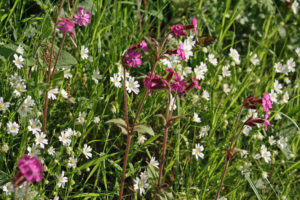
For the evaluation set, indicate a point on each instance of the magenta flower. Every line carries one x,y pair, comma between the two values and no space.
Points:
267,122
266,102
195,25
155,83
66,25
192,85
133,58
82,19
178,29
171,73
143,45
180,52
31,168
178,84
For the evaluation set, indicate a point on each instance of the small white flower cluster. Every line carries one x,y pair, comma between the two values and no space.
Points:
26,107
200,71
17,83
3,105
19,60
204,131
65,136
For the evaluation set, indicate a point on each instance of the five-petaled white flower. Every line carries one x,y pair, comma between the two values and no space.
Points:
19,61
116,80
13,128
84,52
62,180
197,151
132,85
40,139
87,151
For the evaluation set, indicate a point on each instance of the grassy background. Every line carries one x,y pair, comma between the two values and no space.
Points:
114,28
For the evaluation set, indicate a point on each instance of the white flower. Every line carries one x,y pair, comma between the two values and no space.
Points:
285,97
13,128
51,151
298,51
56,198
282,142
33,151
20,50
96,76
226,71
140,184
19,61
62,180
116,80
67,74
273,96
64,93
265,154
204,131
81,117
234,54
65,138
212,59
87,151
141,139
84,52
34,126
254,60
121,71
72,162
132,85
153,162
52,93
197,151
222,198
5,148
200,71
172,103
271,140
40,139
23,110
187,47
3,105
291,65
96,120
186,71
279,67
205,95
277,87
295,7
196,118
144,176
264,175
287,80
28,101
19,88
70,132
8,188
226,88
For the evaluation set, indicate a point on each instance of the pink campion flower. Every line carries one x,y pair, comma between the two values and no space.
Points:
171,73
195,25
82,19
143,46
155,83
180,52
66,25
178,29
266,102
267,123
31,168
133,58
178,84
192,85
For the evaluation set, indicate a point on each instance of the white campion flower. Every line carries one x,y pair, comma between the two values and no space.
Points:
34,126
20,50
72,162
295,6
23,110
277,87
96,120
200,71
8,188
187,47
265,154
3,105
29,101
196,118
96,76
51,151
172,103
13,128
285,98
254,60
116,80
70,132
40,139
62,180
204,131
141,139
141,185
65,139
186,71
205,95
33,151
52,93
153,162
132,85
234,54
121,71
64,93
87,151
225,71
198,151
271,140
291,65
273,96
278,67
19,61
81,117
84,52
226,88
5,148
67,74
282,142
212,59
19,88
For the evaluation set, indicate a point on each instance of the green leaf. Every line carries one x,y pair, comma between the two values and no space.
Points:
142,128
7,51
58,78
65,59
247,176
47,29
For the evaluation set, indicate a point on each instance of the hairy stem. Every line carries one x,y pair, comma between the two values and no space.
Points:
223,176
162,160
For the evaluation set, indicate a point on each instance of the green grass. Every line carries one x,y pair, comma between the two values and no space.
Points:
114,27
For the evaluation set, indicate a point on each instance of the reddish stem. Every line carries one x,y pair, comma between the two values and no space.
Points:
162,160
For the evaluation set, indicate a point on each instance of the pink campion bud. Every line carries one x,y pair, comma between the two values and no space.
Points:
267,123
192,85
180,52
133,58
143,46
31,168
82,19
195,25
267,103
171,73
178,84
155,83
178,29
66,25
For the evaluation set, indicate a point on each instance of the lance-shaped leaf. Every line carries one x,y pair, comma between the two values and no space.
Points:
120,123
173,119
163,118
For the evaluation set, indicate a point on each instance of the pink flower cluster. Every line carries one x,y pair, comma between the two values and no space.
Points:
267,104
81,19
132,57
31,168
178,29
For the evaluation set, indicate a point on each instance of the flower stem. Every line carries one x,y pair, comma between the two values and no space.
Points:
162,160
223,176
